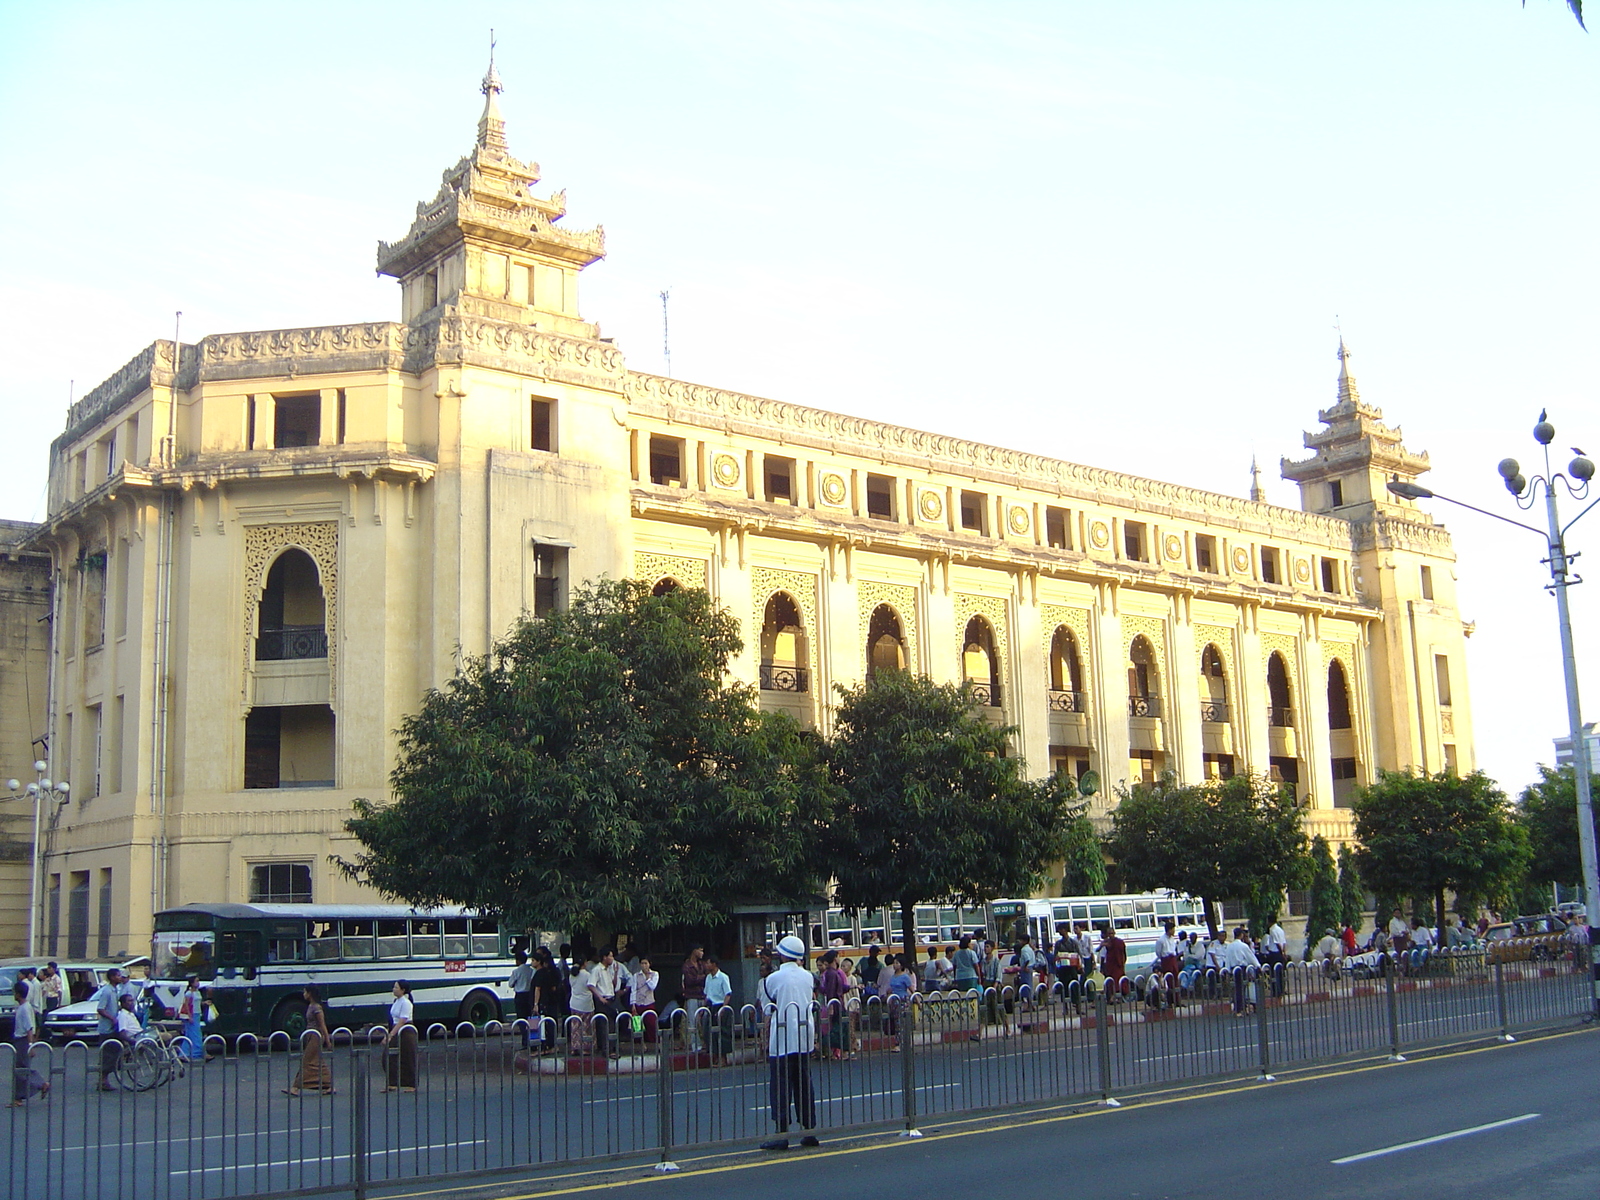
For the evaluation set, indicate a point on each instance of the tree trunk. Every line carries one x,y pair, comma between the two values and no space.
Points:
908,931
1211,915
1438,904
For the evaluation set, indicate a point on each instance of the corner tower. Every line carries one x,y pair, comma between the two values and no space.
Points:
1404,565
488,246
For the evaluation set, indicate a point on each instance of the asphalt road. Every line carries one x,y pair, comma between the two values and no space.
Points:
1507,1121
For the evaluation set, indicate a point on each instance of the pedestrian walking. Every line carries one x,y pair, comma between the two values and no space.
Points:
549,1000
580,1003
834,986
694,992
1113,959
719,1017
1275,954
609,983
191,1010
1239,959
786,996
51,985
27,1082
315,1075
107,1002
400,1042
964,964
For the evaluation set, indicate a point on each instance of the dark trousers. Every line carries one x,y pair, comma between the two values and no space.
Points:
789,1084
524,1003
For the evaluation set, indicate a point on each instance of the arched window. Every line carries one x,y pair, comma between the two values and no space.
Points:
664,585
293,615
1214,686
1144,679
1280,701
1066,672
980,665
1338,696
886,644
783,647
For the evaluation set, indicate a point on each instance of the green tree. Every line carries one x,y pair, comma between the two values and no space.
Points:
1327,903
1231,839
1084,869
596,770
1429,834
1548,811
1352,892
1576,7
930,809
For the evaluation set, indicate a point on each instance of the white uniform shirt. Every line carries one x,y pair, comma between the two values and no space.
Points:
1239,954
787,995
401,1010
1276,940
581,999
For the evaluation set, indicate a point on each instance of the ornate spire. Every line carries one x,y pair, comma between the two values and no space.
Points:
1348,393
1258,494
491,126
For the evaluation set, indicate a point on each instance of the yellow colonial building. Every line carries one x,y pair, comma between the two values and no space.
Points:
267,545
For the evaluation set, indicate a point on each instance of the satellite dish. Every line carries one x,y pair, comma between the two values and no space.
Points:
1088,783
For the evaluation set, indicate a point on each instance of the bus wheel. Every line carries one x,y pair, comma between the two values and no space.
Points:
479,1008
290,1017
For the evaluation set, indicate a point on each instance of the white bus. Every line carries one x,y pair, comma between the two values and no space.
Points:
1136,917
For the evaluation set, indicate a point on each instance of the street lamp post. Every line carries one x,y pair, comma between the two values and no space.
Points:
1526,491
39,791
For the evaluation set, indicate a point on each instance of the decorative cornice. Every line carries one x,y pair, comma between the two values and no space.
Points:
314,350
151,367
455,339
1389,533
673,399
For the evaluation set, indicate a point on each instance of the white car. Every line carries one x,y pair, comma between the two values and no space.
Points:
78,1019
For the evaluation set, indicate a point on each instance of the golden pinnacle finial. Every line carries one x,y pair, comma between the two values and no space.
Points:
491,80
491,126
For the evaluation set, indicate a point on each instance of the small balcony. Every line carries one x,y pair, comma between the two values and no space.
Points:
987,695
1280,716
1144,706
1066,702
1214,711
292,642
784,679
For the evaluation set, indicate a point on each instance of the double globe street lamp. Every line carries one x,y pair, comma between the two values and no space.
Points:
41,791
1575,480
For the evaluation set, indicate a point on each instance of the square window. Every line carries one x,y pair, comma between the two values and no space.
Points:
1205,553
1133,540
1270,568
1055,529
666,460
779,475
280,883
880,497
1335,494
1330,575
972,511
544,425
1427,583
297,420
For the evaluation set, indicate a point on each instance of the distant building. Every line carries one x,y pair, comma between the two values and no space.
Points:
270,544
24,696
1591,741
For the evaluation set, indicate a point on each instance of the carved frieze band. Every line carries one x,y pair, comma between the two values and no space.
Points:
902,597
262,546
993,609
653,568
801,587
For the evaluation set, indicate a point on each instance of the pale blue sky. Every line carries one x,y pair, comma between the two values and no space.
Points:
1115,233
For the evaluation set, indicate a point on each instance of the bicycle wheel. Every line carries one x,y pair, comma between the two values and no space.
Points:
146,1067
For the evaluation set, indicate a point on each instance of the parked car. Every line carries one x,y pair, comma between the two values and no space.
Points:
83,979
1539,936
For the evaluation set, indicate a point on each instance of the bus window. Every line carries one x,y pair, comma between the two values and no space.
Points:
1099,912
1122,914
872,927
841,930
239,948
323,945
392,940
356,939
455,937
284,950
425,939
485,937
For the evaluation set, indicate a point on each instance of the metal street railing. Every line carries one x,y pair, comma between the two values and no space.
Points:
271,1117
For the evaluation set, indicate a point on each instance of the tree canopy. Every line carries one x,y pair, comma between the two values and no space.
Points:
1352,892
1548,811
1430,834
1218,840
929,808
1327,905
596,770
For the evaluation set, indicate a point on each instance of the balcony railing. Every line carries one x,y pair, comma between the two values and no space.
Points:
987,695
1280,716
1067,702
1214,710
1144,706
784,679
292,641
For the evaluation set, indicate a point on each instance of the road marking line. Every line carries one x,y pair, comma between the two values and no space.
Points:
1442,1137
342,1157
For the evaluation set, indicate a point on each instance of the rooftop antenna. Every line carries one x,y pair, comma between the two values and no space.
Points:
666,340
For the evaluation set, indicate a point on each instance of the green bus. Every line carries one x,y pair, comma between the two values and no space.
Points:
256,958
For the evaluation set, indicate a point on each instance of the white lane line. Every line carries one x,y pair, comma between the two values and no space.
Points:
1443,1137
885,1096
344,1157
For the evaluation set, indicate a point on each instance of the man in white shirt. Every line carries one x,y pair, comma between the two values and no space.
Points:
1275,954
1239,958
609,984
786,1001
